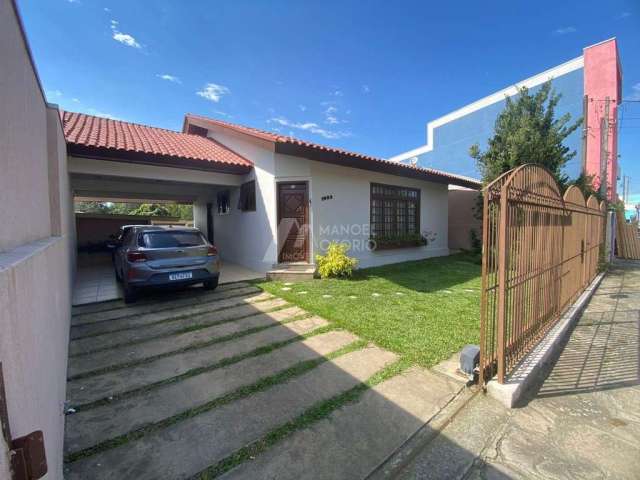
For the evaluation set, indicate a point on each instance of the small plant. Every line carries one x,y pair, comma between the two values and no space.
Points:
336,263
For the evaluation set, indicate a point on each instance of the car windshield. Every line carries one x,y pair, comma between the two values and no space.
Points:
171,239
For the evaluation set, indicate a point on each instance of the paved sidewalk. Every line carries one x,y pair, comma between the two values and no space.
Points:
584,422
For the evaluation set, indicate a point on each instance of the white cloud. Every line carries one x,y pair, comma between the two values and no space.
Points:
635,92
309,127
213,92
303,108
123,38
54,93
98,113
169,78
107,9
565,30
365,89
623,15
337,93
330,115
75,100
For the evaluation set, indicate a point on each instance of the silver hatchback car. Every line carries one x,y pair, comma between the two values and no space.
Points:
153,256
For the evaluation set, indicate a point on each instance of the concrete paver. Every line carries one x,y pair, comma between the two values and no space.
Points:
160,346
353,440
91,389
192,445
90,427
146,319
98,312
141,333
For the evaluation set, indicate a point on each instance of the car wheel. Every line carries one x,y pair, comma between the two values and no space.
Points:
130,294
211,284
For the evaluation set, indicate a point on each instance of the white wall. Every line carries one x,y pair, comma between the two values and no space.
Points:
248,238
36,248
346,216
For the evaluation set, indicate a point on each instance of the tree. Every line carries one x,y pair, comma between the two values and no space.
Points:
151,210
526,131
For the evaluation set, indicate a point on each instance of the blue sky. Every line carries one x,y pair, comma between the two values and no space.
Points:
365,76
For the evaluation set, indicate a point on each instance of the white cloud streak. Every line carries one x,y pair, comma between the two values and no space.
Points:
213,92
565,30
123,38
311,127
169,78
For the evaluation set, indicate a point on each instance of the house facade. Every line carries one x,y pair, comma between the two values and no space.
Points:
266,200
308,195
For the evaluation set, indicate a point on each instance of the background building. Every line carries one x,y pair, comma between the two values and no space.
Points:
590,86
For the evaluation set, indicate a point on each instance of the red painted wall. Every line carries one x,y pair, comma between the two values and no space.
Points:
602,79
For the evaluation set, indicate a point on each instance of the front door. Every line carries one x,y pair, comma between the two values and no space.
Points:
293,222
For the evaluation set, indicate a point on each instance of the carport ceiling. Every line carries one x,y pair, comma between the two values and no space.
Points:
121,189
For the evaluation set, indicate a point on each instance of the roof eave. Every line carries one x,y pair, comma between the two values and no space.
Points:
392,168
125,156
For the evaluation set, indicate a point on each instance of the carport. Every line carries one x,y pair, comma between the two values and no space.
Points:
110,160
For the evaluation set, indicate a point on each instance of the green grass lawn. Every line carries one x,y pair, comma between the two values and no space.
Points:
425,310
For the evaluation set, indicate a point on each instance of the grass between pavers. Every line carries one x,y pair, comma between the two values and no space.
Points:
193,346
312,415
153,300
242,392
187,329
422,310
207,368
178,316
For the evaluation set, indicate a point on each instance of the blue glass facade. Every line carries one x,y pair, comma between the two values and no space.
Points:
453,140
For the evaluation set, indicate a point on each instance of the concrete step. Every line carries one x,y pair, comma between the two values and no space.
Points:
112,384
134,331
291,275
158,300
189,446
86,320
355,439
292,272
114,357
90,427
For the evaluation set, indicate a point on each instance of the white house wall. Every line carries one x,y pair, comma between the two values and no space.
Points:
345,217
248,238
36,253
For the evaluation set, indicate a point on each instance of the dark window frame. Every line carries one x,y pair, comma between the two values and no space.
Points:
223,202
247,197
394,211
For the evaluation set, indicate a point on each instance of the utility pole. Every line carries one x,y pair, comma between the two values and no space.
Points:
604,149
585,130
625,189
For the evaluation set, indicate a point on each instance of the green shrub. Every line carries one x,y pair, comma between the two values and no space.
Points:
336,263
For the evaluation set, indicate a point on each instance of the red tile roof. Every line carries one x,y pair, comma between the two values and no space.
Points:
291,145
106,138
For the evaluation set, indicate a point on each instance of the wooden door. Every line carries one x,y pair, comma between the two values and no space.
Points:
293,222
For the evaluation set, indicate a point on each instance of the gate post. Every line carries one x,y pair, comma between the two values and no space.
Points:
503,246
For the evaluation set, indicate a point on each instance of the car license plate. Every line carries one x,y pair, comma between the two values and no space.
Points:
180,276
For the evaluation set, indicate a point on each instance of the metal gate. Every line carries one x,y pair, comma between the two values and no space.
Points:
540,251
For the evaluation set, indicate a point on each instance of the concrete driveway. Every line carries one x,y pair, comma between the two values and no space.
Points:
235,383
